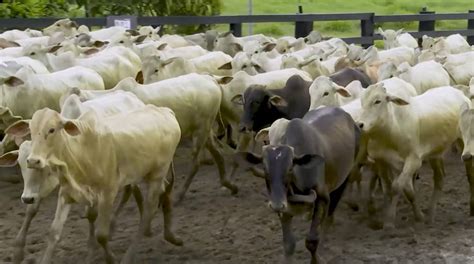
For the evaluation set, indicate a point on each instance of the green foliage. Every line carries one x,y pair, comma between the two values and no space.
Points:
337,26
270,30
33,8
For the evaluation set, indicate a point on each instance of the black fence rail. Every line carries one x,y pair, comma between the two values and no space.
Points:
303,23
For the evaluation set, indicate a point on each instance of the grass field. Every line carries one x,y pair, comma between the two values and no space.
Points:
343,28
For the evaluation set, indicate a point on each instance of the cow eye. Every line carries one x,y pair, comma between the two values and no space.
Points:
256,52
325,93
57,25
377,102
121,42
320,59
156,70
33,53
51,131
245,66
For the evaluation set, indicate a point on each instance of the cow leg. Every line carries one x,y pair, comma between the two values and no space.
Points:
219,159
127,191
198,144
370,199
470,179
403,183
91,242
438,174
335,197
60,217
105,211
150,205
20,240
244,142
137,194
320,211
288,237
167,207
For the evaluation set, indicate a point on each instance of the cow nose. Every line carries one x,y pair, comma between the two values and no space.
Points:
28,200
466,157
278,207
34,163
361,125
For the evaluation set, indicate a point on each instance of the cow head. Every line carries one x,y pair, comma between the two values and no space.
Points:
261,108
323,91
375,106
38,183
278,162
66,26
467,131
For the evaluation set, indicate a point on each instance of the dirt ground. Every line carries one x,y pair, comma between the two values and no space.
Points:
219,228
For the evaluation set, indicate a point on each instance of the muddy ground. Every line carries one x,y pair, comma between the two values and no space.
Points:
219,228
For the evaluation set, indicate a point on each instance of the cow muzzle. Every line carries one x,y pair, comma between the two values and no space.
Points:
244,128
35,163
466,157
278,207
28,199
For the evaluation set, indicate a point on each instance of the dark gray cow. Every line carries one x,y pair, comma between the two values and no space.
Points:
347,75
309,166
263,106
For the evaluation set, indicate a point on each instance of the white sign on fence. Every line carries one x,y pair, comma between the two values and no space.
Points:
125,23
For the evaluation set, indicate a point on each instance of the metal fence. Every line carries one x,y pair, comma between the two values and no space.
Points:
303,23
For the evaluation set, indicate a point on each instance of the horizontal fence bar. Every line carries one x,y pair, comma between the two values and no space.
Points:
44,22
423,17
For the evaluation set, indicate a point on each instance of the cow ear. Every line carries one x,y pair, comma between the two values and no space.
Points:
54,48
237,47
73,24
400,31
227,66
20,128
139,78
396,100
269,47
306,62
343,91
224,80
13,81
162,46
9,159
258,68
140,39
99,44
380,31
464,108
170,60
91,51
71,128
237,99
305,159
251,157
278,101
133,32
262,135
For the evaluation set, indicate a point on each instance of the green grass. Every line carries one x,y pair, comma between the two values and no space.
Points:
343,28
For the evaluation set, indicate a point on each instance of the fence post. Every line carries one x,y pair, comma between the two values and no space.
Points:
470,25
302,28
367,29
128,22
428,25
236,29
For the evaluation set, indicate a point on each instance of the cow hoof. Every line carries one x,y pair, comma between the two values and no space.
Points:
173,239
233,189
18,255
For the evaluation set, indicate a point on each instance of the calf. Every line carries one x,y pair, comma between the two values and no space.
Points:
309,165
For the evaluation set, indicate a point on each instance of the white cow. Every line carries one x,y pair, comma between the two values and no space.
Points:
423,76
27,92
151,131
393,39
410,131
112,64
460,67
12,65
325,92
452,44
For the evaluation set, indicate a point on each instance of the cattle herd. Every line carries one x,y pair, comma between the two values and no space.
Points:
101,113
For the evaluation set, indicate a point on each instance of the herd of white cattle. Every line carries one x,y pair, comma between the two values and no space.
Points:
98,112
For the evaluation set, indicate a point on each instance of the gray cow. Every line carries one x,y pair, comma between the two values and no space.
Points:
308,166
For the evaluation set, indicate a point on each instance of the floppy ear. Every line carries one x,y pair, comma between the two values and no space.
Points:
342,91
13,81
139,78
170,60
73,24
269,47
133,32
278,101
224,80
227,66
71,128
251,157
54,48
262,135
237,47
9,159
99,43
258,68
306,62
20,128
225,34
237,99
90,51
140,39
162,46
396,100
